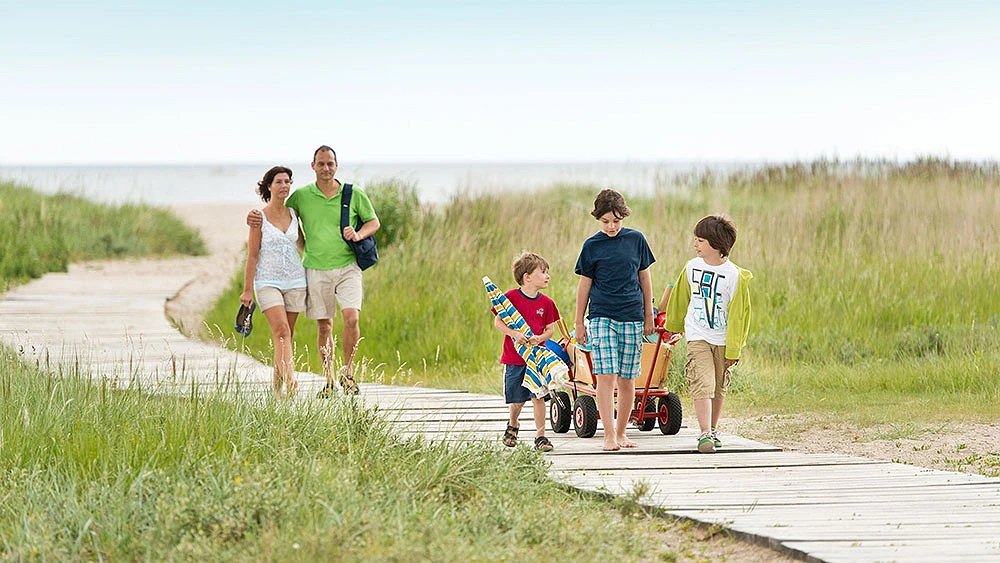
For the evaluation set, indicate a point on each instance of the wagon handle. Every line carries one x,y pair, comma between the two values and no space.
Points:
561,325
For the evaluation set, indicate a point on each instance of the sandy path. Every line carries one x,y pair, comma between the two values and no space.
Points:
224,230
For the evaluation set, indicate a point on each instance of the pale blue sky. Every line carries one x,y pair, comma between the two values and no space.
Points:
225,82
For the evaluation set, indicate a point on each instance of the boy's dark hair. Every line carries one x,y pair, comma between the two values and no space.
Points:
525,264
264,186
325,148
719,231
610,200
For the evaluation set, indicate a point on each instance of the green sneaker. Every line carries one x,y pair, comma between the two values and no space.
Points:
706,444
715,439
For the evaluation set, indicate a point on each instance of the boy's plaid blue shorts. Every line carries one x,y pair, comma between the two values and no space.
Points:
615,346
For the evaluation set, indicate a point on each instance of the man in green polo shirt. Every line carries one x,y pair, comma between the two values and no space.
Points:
332,275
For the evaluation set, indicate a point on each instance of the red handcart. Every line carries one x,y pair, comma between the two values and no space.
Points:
653,402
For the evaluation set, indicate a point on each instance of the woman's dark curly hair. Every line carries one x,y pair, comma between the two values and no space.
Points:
264,186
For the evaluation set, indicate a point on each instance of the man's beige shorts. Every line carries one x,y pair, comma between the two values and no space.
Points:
329,288
293,300
706,370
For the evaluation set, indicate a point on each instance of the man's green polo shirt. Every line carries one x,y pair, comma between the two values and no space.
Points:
320,219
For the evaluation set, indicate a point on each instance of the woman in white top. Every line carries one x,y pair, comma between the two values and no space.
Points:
275,274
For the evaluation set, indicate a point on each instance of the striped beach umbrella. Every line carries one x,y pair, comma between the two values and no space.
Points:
545,372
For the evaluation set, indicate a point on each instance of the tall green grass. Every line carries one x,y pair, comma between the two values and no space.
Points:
91,472
870,277
44,233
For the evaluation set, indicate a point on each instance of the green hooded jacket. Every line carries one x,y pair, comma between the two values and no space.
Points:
739,311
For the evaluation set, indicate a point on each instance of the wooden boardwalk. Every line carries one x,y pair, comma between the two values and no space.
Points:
816,507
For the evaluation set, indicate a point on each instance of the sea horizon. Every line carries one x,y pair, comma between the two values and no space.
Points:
435,182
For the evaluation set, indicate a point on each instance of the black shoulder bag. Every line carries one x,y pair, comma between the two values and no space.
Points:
364,250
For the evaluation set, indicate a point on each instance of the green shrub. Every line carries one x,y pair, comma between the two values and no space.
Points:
398,209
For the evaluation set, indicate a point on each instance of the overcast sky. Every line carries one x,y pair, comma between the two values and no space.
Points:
227,82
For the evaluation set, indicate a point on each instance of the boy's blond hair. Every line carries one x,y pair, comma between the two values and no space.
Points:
526,263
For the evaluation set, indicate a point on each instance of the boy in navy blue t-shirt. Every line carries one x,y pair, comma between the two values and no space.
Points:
616,288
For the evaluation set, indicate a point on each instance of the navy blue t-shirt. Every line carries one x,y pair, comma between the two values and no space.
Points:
614,263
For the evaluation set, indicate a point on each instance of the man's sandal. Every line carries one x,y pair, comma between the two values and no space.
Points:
327,391
349,386
510,436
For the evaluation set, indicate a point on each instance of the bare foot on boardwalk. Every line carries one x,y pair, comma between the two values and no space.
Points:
626,443
611,446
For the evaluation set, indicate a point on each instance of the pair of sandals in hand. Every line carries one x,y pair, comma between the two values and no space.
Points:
244,319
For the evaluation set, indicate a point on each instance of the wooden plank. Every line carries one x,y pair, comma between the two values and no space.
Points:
756,467
781,525
911,551
895,505
498,419
402,403
638,460
654,442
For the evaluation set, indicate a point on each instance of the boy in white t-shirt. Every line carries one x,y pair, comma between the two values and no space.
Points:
714,314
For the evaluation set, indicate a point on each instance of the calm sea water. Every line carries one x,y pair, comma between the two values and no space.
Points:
435,182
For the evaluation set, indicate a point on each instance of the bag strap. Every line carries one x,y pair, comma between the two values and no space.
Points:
345,206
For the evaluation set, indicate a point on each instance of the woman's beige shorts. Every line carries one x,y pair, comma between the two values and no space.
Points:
293,300
706,371
329,288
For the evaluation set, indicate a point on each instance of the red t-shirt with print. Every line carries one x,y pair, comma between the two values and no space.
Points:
538,312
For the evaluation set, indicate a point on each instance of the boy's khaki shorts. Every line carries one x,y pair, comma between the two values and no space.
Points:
293,300
706,371
326,289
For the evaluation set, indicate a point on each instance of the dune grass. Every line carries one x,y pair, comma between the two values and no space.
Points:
92,472
875,283
44,233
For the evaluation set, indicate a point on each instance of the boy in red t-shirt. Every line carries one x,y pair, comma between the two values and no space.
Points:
531,272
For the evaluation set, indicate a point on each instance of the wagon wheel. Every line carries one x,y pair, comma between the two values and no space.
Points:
585,416
649,415
669,413
560,412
